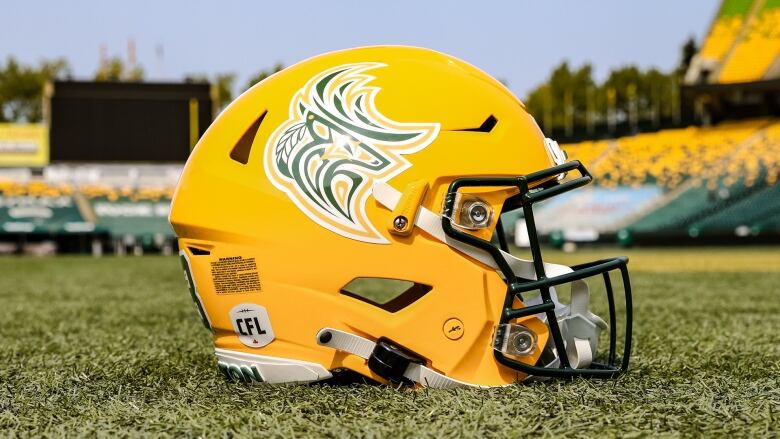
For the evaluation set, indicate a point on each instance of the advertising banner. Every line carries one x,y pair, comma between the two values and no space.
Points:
24,145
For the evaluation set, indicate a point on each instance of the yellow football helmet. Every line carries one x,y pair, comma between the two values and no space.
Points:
384,166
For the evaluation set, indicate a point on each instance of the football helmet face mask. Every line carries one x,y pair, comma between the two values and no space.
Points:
386,163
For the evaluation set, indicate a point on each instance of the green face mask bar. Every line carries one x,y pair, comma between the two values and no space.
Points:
514,340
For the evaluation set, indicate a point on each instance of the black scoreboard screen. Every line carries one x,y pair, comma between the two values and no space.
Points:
127,121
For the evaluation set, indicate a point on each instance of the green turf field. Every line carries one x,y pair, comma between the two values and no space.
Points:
113,346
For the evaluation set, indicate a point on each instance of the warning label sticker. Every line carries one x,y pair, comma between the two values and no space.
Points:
235,275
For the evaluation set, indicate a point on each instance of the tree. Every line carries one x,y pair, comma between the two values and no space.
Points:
224,83
570,97
21,88
115,70
688,51
623,80
563,100
262,74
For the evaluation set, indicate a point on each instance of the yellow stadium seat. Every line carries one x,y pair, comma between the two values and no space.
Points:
756,51
741,151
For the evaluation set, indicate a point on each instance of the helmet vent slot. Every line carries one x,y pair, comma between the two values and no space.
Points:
486,127
241,150
390,295
198,251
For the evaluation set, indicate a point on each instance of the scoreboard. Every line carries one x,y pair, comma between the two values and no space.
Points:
127,121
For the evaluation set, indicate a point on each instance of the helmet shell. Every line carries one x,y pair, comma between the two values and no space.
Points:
228,204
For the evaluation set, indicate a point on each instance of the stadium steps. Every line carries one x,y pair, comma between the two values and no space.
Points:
85,209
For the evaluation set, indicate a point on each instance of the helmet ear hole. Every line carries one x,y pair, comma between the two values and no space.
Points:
388,294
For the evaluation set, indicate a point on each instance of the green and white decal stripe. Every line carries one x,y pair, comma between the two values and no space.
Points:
185,265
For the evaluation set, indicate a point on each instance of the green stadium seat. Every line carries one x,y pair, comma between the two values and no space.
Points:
752,211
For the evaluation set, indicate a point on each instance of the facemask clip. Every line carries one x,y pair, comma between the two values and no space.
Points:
514,340
470,212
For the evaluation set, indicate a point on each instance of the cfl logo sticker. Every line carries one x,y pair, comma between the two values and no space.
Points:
252,325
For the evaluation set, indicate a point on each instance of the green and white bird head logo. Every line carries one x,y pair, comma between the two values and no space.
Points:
336,144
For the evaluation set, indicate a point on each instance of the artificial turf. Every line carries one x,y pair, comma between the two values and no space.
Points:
113,346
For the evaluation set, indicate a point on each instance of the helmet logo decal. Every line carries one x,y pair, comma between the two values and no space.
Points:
336,144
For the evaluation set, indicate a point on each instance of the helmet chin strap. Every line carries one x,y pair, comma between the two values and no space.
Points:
580,327
363,347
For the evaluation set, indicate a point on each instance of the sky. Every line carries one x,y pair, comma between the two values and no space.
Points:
518,42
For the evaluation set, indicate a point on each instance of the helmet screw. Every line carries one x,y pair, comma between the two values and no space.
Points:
400,222
326,337
478,212
523,343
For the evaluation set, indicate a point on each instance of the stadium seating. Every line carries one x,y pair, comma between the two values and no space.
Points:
755,213
589,152
36,207
132,215
670,157
692,205
127,203
757,47
676,212
725,29
708,181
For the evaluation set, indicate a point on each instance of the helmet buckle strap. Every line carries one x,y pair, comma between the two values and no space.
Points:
391,362
405,212
415,371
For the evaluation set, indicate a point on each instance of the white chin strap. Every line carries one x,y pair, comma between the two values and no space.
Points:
580,328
